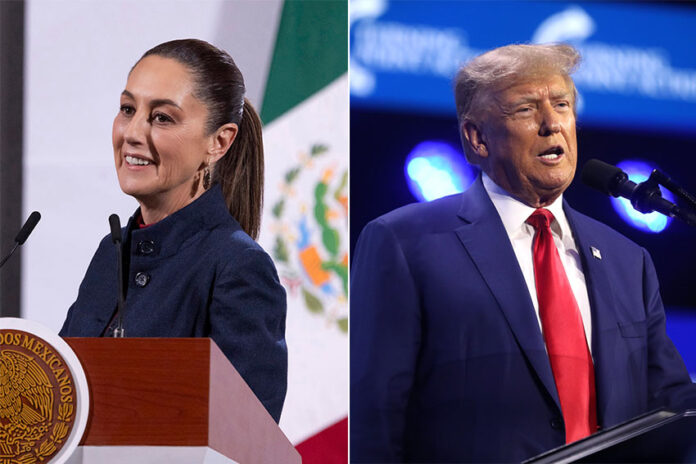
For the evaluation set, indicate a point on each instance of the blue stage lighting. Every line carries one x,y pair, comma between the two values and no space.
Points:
436,169
639,171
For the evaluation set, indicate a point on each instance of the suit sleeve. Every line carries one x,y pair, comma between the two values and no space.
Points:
247,321
384,341
669,384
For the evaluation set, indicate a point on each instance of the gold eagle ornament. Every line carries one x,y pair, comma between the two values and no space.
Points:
26,400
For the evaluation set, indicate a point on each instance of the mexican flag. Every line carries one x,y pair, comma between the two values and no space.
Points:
305,223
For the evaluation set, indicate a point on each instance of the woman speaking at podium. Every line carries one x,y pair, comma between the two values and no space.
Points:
187,146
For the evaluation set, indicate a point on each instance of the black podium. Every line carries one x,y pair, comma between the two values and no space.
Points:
659,436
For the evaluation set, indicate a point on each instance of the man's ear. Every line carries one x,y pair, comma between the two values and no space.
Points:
221,141
474,138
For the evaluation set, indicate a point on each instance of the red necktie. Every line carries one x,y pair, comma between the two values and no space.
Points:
564,333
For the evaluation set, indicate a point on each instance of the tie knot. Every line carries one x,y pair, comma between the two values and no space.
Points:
540,218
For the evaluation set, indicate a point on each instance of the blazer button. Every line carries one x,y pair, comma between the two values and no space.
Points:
556,423
142,279
146,247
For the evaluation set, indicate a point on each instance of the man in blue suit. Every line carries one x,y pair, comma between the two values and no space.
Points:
451,358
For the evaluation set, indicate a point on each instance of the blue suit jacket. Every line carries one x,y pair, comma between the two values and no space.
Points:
448,363
200,276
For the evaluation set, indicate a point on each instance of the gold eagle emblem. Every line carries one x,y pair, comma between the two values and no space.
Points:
26,399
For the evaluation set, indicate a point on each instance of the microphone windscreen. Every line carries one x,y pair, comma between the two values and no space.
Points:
600,175
28,227
115,224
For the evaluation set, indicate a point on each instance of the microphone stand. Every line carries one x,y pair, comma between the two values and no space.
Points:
115,225
647,192
119,331
14,248
664,180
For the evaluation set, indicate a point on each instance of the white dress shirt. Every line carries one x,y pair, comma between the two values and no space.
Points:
514,213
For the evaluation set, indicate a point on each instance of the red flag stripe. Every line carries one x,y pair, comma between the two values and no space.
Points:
328,446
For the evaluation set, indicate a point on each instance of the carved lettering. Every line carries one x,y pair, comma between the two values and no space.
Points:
37,347
28,343
65,380
44,353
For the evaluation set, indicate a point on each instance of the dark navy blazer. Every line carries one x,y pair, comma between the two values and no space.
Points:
448,363
194,274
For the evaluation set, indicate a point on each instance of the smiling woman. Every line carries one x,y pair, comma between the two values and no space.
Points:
161,145
187,146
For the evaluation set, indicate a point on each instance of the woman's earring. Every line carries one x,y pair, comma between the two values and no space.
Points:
206,177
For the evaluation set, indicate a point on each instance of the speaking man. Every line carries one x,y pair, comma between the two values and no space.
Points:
499,323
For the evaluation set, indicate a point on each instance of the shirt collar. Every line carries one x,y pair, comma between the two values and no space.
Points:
514,213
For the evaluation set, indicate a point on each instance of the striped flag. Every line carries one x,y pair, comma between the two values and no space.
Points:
305,223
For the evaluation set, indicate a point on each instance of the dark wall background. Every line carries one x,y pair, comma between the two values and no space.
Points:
11,116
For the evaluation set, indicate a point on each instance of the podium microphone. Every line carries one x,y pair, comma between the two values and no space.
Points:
645,197
115,224
23,234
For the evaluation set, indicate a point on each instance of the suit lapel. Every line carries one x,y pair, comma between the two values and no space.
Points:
489,247
595,256
487,243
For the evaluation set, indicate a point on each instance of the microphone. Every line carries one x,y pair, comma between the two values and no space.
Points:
645,197
607,179
23,234
28,227
115,224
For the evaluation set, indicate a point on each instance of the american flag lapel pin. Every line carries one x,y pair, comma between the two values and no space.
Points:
596,253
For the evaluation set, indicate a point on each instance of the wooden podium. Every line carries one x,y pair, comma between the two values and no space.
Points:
176,394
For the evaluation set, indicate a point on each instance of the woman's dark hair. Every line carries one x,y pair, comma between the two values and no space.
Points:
220,86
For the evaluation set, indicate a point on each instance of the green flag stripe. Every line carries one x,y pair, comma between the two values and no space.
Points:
311,51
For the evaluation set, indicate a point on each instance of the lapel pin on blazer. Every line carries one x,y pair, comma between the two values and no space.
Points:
596,253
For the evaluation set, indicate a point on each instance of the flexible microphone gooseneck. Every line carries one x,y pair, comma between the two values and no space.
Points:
115,224
23,234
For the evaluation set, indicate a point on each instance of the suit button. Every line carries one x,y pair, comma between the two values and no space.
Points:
142,279
146,247
556,423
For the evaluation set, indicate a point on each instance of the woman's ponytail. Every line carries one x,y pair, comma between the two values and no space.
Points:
240,173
